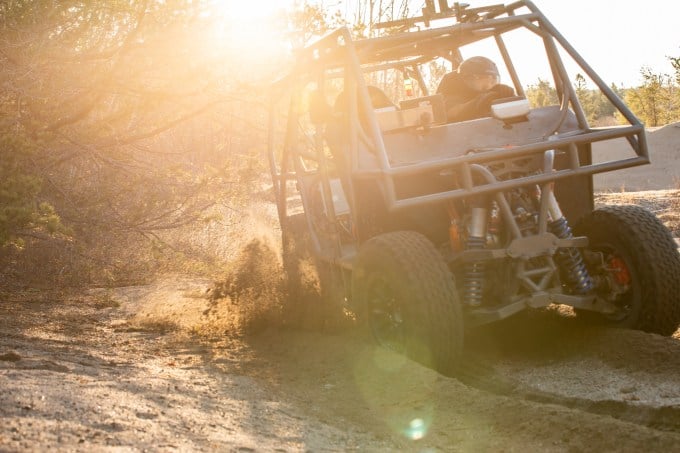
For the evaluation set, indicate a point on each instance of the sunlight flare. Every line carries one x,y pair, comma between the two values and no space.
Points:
250,28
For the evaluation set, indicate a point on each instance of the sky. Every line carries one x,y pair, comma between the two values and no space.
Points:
618,37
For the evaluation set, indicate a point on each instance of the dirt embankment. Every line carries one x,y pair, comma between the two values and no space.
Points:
161,367
662,173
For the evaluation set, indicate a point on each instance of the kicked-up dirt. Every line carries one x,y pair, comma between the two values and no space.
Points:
172,367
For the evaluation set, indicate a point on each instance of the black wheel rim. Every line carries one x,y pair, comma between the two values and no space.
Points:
384,315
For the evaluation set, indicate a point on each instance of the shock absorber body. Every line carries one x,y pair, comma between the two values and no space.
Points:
570,260
475,270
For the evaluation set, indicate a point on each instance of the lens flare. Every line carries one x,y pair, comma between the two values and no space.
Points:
416,429
398,391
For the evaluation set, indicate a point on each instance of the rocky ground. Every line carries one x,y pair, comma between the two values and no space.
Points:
162,368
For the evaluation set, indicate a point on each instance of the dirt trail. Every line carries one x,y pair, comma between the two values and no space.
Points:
163,368
108,370
91,373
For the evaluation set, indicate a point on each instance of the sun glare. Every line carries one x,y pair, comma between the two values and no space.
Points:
253,29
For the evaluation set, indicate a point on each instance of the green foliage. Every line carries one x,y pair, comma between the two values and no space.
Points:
120,121
675,63
597,108
21,211
542,94
312,20
657,100
365,14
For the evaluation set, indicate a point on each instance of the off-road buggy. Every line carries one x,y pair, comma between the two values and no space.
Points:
426,228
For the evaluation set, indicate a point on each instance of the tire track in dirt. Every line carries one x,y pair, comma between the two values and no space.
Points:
482,377
345,379
515,358
511,365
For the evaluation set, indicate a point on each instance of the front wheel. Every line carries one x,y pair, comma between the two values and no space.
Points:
408,299
635,260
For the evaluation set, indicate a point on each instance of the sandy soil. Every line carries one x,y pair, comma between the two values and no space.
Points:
662,173
171,367
78,373
108,371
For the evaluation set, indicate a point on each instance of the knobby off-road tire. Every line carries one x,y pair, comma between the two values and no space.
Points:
636,237
408,299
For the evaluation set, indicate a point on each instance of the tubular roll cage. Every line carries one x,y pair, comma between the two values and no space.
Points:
338,55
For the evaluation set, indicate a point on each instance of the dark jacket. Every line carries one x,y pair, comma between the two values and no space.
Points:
463,103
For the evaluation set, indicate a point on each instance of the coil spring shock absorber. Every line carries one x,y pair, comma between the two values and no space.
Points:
473,283
570,260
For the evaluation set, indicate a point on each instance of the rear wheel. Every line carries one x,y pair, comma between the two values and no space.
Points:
408,299
296,255
635,260
315,294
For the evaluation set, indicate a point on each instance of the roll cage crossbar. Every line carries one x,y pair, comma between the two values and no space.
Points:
338,55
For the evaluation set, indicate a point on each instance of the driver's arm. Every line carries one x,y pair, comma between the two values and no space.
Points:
477,107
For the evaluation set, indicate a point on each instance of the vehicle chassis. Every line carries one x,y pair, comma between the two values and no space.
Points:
547,156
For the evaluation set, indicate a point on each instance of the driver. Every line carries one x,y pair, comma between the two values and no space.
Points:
470,90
